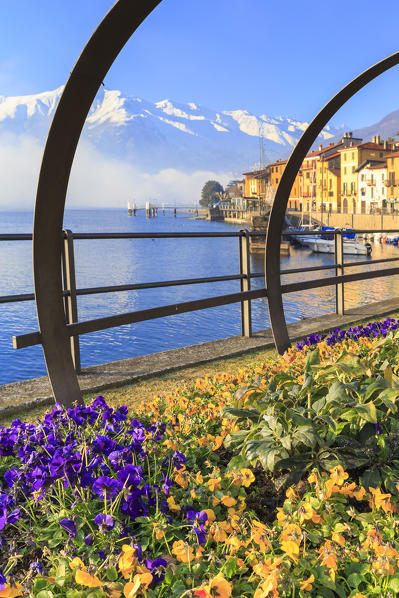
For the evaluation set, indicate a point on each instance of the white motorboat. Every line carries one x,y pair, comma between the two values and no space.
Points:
350,247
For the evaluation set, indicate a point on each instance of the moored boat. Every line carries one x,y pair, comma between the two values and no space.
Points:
349,247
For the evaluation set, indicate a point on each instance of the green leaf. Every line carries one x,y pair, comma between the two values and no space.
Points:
368,412
45,594
337,393
236,463
111,574
40,584
374,386
394,582
230,567
313,358
251,414
286,442
319,404
354,580
371,478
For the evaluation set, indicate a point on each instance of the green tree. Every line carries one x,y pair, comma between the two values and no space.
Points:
210,193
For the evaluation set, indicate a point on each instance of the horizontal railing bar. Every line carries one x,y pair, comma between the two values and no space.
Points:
15,298
34,338
367,263
156,285
16,237
325,282
154,235
309,269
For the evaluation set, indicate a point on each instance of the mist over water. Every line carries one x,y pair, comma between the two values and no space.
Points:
123,261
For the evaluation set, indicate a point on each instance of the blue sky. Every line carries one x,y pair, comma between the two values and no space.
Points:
271,57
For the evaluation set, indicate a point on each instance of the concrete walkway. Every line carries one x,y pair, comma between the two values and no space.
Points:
37,391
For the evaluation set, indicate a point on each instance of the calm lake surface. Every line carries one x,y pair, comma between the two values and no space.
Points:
114,262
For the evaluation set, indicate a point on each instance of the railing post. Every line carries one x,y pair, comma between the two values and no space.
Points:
245,270
70,300
339,271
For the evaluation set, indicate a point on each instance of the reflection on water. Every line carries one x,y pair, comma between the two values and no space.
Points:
113,262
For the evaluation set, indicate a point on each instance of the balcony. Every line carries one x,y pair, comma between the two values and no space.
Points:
370,183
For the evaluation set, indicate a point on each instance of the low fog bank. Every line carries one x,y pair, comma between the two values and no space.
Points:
97,181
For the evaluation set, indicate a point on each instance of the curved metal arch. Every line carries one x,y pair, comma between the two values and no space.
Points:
277,214
80,90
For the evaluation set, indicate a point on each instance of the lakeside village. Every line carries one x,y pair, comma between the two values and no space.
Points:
351,177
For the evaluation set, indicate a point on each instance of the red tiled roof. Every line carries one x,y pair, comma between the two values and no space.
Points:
368,145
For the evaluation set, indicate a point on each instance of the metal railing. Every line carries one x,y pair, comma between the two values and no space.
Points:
71,293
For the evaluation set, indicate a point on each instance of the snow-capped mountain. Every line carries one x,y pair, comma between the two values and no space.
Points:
164,134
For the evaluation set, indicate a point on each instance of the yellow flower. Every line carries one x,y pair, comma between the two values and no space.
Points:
140,583
211,515
338,475
228,501
247,477
307,584
172,505
214,484
291,493
305,511
127,561
159,533
218,533
359,494
268,587
184,553
11,592
181,477
291,532
328,558
259,535
85,579
235,543
218,443
218,586
198,478
338,538
380,500
77,563
291,549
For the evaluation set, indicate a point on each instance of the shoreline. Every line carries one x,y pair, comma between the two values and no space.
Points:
36,392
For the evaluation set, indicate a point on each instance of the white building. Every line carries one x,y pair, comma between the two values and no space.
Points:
372,179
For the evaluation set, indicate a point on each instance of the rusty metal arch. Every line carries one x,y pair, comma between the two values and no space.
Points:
80,90
277,214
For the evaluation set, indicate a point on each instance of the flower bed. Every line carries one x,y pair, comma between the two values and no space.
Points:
279,481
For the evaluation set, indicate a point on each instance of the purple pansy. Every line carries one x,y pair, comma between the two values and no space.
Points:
104,522
69,526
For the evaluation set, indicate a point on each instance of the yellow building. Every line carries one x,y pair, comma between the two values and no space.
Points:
393,180
351,159
328,183
255,183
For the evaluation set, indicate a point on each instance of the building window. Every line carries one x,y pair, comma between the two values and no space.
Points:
352,188
353,169
345,170
330,183
381,154
344,187
276,180
344,157
362,177
383,191
372,192
353,155
363,191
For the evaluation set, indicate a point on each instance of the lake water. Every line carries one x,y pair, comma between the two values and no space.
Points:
113,262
